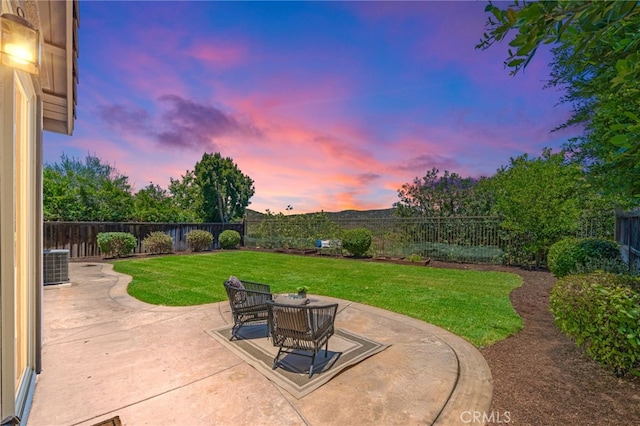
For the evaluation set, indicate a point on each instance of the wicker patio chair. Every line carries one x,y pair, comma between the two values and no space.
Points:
301,329
248,301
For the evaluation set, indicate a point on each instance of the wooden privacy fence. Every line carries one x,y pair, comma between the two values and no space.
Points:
628,236
80,238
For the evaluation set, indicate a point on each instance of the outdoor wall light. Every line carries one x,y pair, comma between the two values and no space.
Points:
19,43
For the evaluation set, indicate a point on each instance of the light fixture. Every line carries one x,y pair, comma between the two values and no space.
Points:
19,43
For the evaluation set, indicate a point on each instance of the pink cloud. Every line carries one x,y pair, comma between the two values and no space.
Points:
215,53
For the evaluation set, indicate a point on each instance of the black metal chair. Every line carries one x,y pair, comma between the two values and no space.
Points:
300,329
248,303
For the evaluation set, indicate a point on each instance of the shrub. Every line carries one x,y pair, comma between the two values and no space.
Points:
601,311
199,239
595,248
229,239
563,257
572,255
158,242
616,266
116,243
356,241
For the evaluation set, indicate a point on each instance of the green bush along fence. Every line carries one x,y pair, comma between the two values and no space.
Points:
460,239
80,238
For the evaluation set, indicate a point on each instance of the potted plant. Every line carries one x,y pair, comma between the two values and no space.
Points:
302,291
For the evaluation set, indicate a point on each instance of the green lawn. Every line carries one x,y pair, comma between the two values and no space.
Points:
471,304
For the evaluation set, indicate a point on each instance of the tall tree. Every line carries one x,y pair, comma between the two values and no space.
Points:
597,60
539,200
154,204
186,195
224,189
85,191
434,195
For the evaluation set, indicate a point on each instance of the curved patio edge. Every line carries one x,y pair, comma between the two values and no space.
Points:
471,395
426,375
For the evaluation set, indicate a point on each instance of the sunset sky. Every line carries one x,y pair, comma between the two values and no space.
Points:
325,105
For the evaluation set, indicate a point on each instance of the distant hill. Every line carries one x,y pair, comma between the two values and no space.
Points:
345,214
362,214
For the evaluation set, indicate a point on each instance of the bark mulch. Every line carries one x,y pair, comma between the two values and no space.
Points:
539,375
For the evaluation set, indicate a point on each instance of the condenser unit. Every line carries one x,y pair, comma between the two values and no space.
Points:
55,266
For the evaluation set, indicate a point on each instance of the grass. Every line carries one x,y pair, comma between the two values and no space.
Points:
471,304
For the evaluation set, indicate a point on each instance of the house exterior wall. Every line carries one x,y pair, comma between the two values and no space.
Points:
20,234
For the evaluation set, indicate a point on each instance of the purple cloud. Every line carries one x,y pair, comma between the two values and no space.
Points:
127,119
184,123
366,178
189,124
423,163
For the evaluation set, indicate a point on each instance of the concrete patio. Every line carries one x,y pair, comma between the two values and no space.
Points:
107,354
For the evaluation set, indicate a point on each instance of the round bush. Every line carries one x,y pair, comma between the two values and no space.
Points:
199,239
573,255
229,239
356,241
158,242
563,257
116,243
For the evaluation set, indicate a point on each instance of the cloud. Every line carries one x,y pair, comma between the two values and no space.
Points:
128,119
367,178
423,163
183,124
218,54
191,125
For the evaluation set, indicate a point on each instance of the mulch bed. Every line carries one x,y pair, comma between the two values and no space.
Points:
539,375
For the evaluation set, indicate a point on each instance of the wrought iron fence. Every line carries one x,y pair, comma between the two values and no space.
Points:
460,239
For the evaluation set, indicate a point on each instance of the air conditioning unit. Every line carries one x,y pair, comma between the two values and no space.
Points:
55,266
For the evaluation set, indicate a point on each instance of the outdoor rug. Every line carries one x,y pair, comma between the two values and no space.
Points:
346,349
114,421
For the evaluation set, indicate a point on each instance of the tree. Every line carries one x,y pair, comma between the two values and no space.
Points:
446,195
225,191
154,204
597,59
539,200
89,191
186,194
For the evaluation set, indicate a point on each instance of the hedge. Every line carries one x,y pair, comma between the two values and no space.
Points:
601,311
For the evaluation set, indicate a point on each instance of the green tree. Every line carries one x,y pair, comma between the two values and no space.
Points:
598,61
85,191
539,200
438,196
186,195
225,190
154,204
